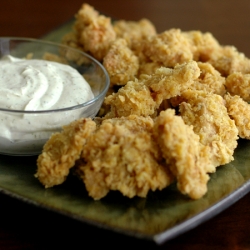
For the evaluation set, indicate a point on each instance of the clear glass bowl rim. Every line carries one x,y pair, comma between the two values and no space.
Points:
85,104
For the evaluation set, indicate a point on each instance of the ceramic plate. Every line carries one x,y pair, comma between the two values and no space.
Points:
159,217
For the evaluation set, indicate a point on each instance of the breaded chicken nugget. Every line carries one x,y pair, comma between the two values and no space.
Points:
210,80
121,63
205,44
61,151
134,98
144,97
134,32
228,60
169,48
239,84
166,83
184,154
92,33
239,111
97,37
121,155
208,115
84,17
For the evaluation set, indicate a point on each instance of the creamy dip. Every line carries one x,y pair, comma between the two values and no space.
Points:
40,85
35,85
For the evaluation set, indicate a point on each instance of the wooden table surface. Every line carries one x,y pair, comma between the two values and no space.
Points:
24,226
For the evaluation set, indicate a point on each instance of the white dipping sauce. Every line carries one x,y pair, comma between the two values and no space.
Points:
32,85
40,85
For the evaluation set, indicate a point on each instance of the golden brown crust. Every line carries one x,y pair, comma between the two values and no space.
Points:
183,152
134,98
121,63
210,80
121,155
61,151
169,48
145,96
239,84
204,44
92,33
228,60
84,17
208,115
239,111
134,32
97,37
166,83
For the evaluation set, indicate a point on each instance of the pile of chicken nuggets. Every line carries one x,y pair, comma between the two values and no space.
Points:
177,104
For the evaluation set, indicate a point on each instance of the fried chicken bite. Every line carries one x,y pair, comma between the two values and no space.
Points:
134,32
239,111
97,37
121,155
84,17
134,98
210,80
185,155
166,83
92,33
207,113
205,44
143,97
121,63
61,151
239,84
169,48
228,60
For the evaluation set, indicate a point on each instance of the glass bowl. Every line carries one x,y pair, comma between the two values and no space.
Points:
25,132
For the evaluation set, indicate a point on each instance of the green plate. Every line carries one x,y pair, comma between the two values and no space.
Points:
159,217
